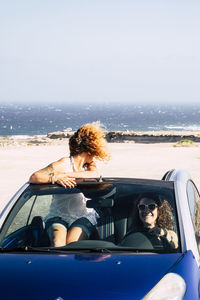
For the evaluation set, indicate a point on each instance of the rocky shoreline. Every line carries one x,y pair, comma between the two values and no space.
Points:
148,137
152,137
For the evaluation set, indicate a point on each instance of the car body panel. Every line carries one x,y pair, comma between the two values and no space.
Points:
11,203
99,276
102,272
180,179
189,270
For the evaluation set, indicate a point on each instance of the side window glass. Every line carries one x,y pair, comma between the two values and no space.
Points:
191,199
194,205
35,206
41,207
21,217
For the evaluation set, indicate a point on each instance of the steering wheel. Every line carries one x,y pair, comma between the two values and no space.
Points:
137,240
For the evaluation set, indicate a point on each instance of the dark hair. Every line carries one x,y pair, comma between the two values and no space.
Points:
164,212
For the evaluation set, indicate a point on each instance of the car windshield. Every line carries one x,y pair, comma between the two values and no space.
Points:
124,221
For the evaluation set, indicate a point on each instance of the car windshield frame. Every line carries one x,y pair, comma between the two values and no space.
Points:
106,193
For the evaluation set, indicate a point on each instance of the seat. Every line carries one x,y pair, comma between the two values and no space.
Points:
122,222
105,225
114,222
37,234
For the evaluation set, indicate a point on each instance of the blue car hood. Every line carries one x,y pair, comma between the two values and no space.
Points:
81,276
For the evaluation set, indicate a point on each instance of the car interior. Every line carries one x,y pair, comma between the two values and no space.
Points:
113,201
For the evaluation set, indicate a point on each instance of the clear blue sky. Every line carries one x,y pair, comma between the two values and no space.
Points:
89,50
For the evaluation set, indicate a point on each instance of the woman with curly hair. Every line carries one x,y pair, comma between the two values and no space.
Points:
153,217
69,219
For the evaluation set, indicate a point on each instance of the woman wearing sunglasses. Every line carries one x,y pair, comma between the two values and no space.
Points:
153,217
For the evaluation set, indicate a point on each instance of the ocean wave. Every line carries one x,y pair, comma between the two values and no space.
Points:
38,120
184,127
22,137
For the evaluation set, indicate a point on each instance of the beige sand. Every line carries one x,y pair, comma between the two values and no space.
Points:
128,160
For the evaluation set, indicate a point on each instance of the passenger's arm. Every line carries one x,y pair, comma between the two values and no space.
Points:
91,172
42,176
51,173
55,173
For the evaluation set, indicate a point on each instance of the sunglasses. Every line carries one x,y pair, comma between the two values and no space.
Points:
150,207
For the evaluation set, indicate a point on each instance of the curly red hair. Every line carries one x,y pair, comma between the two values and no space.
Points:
89,138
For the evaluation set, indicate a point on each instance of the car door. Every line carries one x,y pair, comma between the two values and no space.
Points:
194,206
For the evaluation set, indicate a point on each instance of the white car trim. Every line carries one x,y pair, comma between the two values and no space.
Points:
188,240
11,203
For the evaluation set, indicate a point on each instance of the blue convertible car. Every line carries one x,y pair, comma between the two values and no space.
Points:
123,259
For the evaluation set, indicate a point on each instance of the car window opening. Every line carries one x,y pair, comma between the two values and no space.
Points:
138,217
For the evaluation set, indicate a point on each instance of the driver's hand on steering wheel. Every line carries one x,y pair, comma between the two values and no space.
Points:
158,231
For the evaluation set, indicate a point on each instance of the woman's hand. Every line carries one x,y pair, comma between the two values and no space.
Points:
64,180
169,235
158,231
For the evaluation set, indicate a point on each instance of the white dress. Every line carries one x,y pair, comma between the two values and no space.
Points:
71,207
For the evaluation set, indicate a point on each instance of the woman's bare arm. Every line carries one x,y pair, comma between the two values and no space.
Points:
49,174
55,173
42,176
65,179
91,172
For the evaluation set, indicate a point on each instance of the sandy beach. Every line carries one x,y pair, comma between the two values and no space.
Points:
128,160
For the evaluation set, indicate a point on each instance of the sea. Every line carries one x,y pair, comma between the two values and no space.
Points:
34,119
